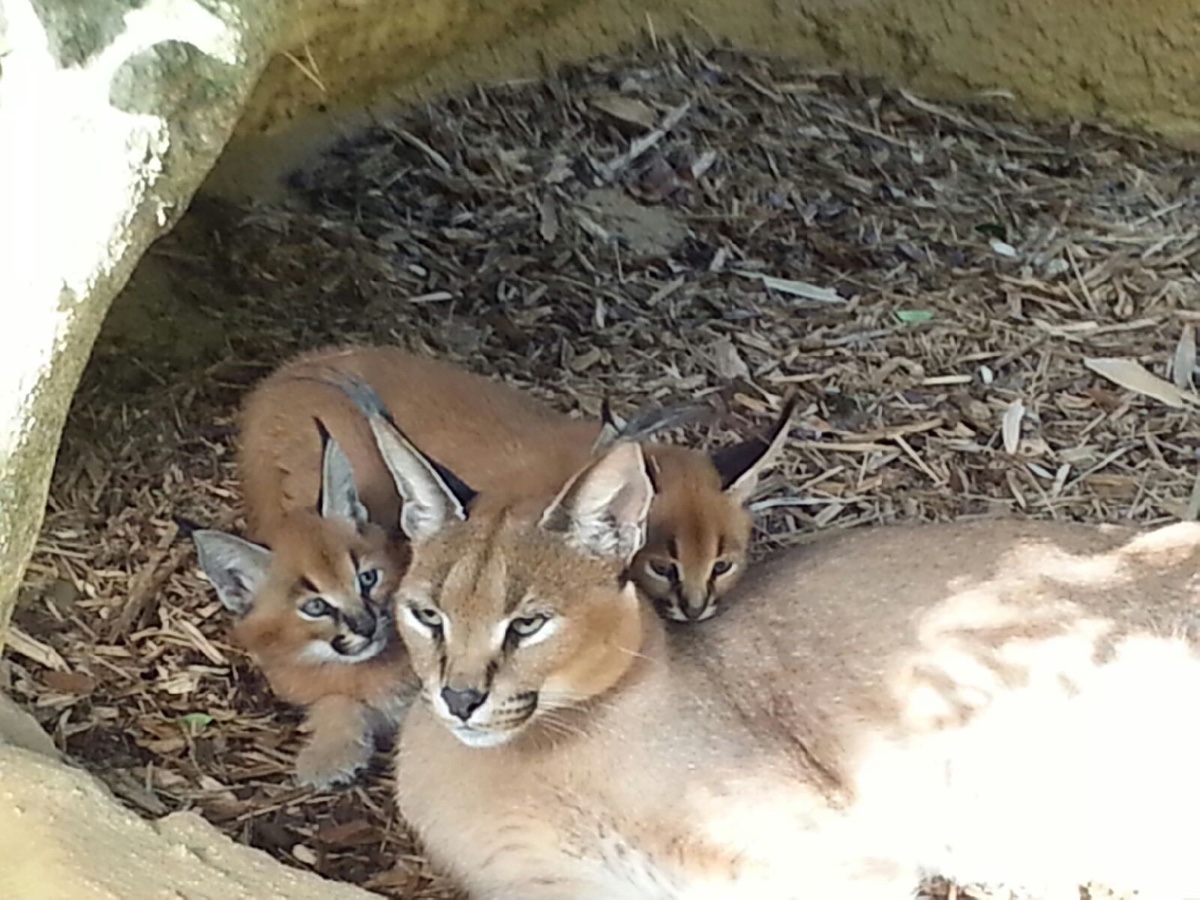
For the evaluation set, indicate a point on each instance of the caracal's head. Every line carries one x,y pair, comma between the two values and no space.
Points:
321,593
511,614
699,530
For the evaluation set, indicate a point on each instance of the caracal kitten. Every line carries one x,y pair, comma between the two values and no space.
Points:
997,702
307,575
313,612
497,436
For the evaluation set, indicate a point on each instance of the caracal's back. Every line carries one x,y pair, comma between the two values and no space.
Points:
992,701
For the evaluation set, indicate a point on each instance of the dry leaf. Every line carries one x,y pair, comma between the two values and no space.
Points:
1010,427
69,682
547,219
1133,376
729,362
796,288
626,109
1184,363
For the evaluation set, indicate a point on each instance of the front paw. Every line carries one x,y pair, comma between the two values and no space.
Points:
329,763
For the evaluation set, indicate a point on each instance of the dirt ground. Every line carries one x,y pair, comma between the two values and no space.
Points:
677,224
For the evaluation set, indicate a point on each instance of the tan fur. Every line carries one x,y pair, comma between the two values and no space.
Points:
499,439
499,435
489,432
348,703
693,526
494,436
1001,701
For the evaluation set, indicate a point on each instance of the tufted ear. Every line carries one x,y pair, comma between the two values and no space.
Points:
646,422
433,495
338,497
740,465
237,568
602,510
610,428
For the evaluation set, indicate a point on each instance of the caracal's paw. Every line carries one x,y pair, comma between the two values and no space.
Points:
332,762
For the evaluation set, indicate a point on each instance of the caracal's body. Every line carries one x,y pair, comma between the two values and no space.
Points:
500,439
1000,702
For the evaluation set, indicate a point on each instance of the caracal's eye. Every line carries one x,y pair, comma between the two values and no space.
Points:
722,567
367,580
427,616
316,608
527,626
663,569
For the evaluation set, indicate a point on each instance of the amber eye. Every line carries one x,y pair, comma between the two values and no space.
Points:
527,625
663,569
316,608
722,567
427,616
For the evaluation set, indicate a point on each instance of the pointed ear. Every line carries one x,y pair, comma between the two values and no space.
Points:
433,495
610,428
740,465
338,496
602,510
646,422
236,567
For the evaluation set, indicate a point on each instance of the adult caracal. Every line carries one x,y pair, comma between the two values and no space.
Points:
298,601
998,701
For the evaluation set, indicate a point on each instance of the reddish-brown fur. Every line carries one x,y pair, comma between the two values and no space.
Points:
496,437
502,441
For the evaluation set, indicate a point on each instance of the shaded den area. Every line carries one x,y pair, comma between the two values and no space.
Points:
679,223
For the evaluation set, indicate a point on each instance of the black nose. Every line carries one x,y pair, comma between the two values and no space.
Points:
693,608
364,624
462,703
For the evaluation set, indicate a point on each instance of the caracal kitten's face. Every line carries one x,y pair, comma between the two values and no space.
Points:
322,593
696,542
699,529
513,631
326,593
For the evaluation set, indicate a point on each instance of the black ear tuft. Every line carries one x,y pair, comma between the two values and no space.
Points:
463,492
187,527
736,460
606,414
744,459
369,403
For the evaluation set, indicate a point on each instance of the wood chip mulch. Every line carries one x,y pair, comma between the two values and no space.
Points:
681,223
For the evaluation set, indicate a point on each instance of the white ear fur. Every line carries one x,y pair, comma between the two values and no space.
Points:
339,492
429,503
603,509
237,568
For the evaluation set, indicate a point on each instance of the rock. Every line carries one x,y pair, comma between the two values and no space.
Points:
112,113
63,835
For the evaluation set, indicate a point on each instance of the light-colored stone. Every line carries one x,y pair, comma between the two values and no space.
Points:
64,837
111,114
19,729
